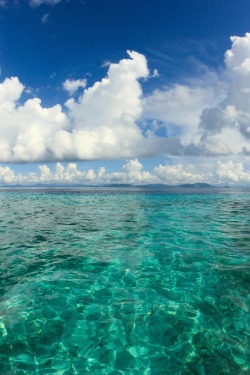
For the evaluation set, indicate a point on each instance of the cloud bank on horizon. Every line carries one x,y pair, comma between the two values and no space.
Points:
133,173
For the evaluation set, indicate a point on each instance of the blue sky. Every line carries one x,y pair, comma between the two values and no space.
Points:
78,37
174,109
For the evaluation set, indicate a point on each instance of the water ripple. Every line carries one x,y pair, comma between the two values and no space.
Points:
124,282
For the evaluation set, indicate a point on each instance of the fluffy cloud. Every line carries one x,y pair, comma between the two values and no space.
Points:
210,117
207,117
232,172
26,131
72,85
179,173
7,175
225,128
179,108
101,124
212,171
132,172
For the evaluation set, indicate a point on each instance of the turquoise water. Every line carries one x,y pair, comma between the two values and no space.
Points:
125,281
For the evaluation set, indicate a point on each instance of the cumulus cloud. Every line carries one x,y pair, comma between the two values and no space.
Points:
232,172
73,85
105,117
213,171
225,128
132,172
7,175
179,108
101,124
179,173
209,116
27,130
114,120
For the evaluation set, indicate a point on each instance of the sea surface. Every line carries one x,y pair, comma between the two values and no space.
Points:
125,281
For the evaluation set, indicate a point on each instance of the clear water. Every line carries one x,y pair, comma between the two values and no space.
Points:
125,282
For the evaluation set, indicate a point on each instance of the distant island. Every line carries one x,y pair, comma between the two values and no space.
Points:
125,186
163,186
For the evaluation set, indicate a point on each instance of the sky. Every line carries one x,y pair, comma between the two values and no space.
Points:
106,91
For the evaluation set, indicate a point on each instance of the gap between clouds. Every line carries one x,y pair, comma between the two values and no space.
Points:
107,121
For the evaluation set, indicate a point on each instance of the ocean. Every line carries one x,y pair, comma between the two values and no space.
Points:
125,281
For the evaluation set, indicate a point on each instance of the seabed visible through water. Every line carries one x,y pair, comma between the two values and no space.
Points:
116,281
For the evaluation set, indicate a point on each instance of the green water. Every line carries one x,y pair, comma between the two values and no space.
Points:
125,282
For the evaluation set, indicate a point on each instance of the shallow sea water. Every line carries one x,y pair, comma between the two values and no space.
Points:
115,281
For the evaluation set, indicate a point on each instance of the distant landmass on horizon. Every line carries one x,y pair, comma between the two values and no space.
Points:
146,186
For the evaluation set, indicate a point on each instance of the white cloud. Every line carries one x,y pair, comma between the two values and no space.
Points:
106,121
228,141
72,85
132,172
37,3
209,116
7,175
26,131
233,172
10,91
101,124
225,128
179,173
106,64
155,73
213,171
180,107
45,18
104,117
